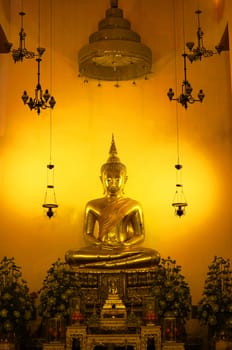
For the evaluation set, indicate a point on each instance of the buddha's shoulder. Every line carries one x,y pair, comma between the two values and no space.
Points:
95,202
130,200
98,202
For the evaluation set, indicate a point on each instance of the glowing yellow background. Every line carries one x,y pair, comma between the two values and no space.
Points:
143,122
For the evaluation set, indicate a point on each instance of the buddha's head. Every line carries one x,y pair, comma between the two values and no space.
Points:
113,173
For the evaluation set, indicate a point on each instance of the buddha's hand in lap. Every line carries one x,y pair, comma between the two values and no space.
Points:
110,239
110,242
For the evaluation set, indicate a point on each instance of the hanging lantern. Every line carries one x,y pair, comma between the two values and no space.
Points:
42,101
50,197
179,202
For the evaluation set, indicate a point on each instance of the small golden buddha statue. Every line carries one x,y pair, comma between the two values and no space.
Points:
113,225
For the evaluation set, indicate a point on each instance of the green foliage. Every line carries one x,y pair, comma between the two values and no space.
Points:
215,307
16,303
172,291
59,287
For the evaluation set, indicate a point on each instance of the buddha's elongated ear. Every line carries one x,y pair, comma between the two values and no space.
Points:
125,180
104,189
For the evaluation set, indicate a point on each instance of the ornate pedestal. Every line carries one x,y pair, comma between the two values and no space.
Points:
147,337
134,286
118,311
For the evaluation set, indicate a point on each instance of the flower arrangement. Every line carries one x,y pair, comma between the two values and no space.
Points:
59,287
172,294
215,307
16,303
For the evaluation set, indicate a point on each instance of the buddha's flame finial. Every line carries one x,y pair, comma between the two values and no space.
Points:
113,150
114,3
113,159
113,154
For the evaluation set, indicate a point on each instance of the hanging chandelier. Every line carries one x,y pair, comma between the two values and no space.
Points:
42,100
21,53
198,52
114,52
186,91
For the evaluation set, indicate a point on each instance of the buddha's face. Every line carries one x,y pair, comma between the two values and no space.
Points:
113,181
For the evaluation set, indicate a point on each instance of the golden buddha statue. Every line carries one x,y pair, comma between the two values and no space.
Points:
113,225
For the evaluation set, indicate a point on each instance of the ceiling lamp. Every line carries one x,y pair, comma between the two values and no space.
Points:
186,93
115,52
196,53
21,53
41,100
